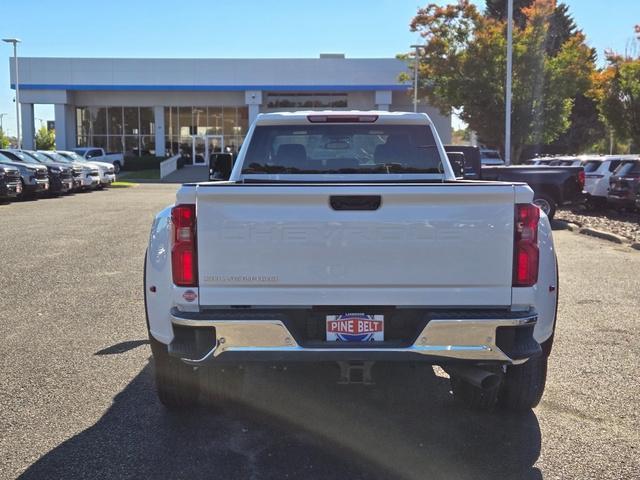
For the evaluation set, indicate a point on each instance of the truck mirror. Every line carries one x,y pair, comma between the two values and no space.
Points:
456,159
220,166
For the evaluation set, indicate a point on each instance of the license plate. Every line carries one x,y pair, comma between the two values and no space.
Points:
355,327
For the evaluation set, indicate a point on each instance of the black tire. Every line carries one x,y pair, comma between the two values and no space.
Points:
176,383
523,385
546,204
116,167
221,385
473,397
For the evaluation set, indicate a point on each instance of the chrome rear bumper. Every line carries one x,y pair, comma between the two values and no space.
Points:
269,339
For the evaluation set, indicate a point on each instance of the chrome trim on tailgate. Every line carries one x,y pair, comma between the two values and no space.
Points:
470,339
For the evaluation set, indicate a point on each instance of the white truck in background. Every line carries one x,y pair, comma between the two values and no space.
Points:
345,237
96,154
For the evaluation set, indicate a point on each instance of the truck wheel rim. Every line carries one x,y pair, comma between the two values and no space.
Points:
543,205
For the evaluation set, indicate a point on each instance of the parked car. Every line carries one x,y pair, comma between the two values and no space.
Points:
490,157
60,175
552,186
539,161
355,244
90,176
99,155
34,178
10,186
624,184
598,170
106,170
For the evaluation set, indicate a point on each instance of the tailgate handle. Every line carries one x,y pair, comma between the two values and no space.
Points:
355,202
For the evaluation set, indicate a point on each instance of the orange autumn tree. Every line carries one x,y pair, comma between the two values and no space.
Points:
463,66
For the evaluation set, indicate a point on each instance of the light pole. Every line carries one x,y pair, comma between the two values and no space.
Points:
507,116
415,76
15,42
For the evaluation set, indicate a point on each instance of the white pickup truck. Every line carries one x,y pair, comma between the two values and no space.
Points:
95,154
345,237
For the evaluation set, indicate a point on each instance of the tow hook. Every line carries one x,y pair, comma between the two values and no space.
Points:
355,373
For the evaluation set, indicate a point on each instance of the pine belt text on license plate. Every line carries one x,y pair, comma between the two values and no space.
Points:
355,327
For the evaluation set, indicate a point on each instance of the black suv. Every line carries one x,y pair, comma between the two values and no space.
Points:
624,184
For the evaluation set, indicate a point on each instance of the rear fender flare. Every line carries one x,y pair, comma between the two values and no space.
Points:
546,290
158,277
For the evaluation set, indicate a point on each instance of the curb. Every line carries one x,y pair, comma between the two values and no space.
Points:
604,235
572,227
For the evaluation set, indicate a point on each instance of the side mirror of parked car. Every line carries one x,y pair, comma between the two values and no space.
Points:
220,166
456,159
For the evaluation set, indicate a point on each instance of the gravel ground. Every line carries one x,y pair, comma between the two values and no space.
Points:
626,224
77,398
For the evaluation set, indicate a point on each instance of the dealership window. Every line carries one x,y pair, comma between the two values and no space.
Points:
130,130
306,100
182,123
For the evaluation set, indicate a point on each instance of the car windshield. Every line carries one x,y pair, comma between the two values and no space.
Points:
490,155
344,148
591,166
56,157
628,168
23,157
73,156
39,157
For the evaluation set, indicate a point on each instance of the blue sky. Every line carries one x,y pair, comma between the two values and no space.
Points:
249,28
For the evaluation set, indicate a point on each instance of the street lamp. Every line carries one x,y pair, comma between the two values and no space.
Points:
415,76
507,116
15,42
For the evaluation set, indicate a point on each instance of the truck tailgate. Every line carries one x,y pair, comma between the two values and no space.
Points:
426,245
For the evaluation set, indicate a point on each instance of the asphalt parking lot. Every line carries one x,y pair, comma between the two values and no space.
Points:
77,400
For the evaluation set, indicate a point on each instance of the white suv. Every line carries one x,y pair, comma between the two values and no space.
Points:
597,171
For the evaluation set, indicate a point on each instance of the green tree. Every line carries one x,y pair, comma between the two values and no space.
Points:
617,90
463,66
4,140
45,139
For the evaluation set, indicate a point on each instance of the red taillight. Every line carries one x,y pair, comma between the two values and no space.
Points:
581,177
525,245
184,257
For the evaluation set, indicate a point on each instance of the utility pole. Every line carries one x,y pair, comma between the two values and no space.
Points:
507,116
416,61
15,42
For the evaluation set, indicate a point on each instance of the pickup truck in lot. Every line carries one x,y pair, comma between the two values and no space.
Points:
95,154
552,185
10,186
345,237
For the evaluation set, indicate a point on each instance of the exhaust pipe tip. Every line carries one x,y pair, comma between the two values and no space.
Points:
476,376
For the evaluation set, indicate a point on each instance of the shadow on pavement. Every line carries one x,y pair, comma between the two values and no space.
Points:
122,347
299,423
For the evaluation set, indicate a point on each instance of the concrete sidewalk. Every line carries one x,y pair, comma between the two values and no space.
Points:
188,174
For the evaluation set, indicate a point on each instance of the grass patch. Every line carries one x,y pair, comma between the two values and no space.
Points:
151,174
120,184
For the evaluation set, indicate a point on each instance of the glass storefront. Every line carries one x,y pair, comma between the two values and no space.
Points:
132,129
128,130
183,123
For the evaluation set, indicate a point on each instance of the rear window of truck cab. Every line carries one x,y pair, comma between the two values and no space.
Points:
343,148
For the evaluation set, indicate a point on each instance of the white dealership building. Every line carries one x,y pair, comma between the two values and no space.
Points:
197,106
